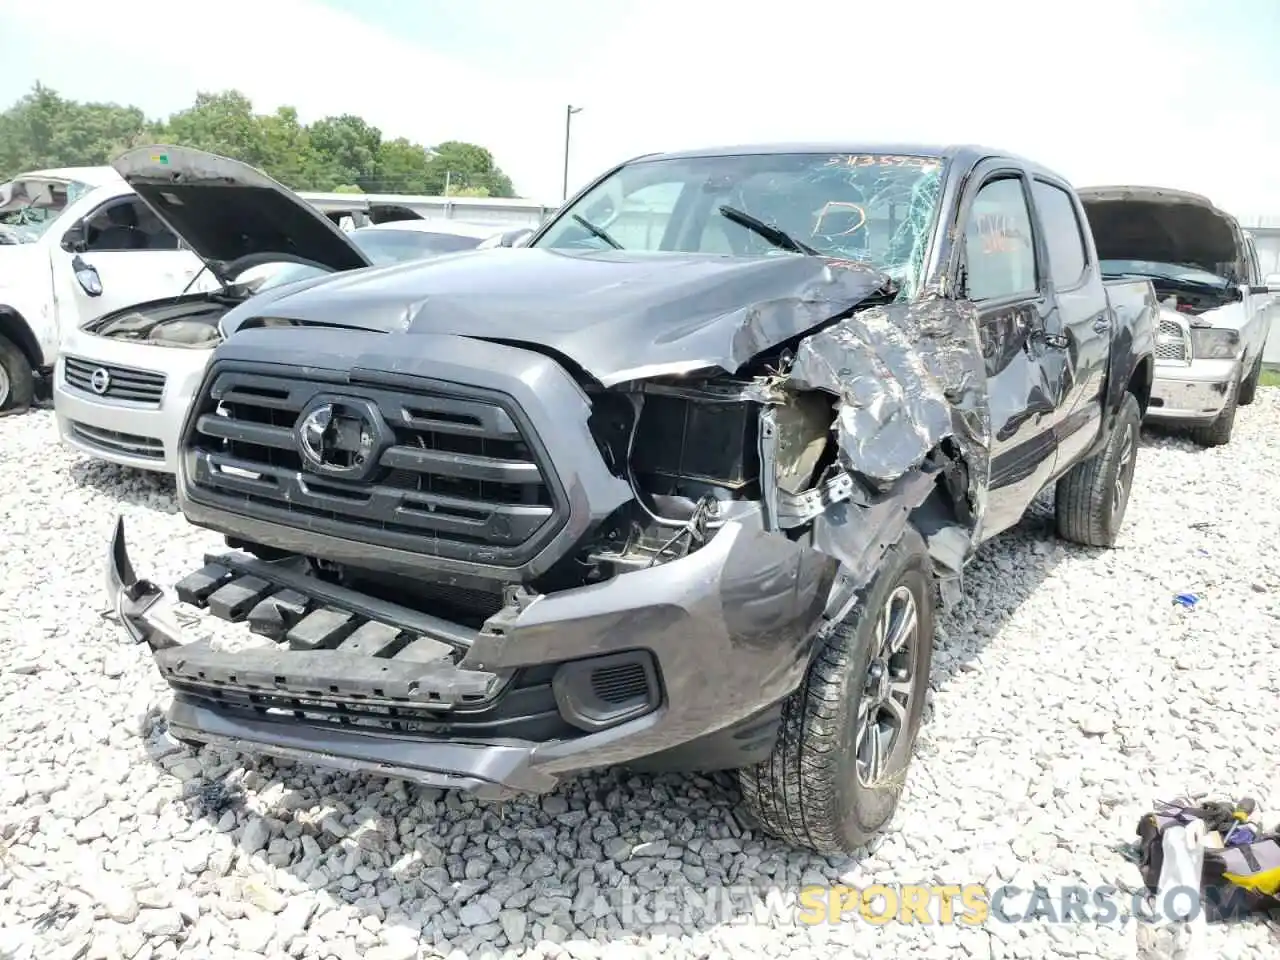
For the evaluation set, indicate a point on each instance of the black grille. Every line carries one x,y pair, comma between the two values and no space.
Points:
525,710
458,476
620,683
122,383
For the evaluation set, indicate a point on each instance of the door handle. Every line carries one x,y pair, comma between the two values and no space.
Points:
1102,324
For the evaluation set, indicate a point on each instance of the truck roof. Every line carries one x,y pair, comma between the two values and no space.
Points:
965,155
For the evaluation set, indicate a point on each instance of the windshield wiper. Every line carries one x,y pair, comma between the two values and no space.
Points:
596,231
774,235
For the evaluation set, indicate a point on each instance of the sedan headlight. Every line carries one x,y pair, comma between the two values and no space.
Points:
1214,343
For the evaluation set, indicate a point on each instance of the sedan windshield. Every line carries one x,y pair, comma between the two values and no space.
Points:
382,246
877,209
393,246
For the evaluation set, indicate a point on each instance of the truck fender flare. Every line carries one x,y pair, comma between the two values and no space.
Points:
15,329
1128,371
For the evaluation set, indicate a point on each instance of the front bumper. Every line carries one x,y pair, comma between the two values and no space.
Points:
142,435
726,632
1193,393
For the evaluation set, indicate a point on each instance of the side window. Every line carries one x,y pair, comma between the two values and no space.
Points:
1000,259
1062,234
126,223
1255,270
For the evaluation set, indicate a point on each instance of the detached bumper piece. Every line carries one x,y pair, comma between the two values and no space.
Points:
348,681
328,641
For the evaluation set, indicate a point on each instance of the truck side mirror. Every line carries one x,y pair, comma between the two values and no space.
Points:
75,240
1271,283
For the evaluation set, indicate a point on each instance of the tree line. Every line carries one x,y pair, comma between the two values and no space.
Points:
43,130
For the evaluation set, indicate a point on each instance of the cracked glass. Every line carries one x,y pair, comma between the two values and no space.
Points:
875,209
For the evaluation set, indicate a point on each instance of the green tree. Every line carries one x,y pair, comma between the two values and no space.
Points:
290,156
400,167
349,147
222,123
43,129
467,166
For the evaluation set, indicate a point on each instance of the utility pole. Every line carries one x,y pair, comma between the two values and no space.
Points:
446,182
569,111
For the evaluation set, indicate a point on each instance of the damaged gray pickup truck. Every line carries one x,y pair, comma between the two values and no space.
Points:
675,485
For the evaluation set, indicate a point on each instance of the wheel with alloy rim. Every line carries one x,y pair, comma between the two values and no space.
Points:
885,707
1092,497
1217,432
17,382
847,734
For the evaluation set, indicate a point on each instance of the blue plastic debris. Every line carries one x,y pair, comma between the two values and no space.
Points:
1188,600
1240,834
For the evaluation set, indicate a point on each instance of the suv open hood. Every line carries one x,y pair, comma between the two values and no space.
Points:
231,214
1167,226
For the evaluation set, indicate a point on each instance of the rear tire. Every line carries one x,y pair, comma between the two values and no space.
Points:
1218,433
1249,388
821,788
17,379
1091,498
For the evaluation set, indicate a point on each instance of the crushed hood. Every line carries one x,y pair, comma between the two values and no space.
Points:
231,213
1166,226
618,315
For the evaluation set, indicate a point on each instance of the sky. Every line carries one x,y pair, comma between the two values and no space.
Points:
1176,93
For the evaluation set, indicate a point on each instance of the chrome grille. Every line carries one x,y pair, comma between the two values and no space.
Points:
1172,342
114,382
455,475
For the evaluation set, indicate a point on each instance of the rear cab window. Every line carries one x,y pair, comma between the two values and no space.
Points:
1063,234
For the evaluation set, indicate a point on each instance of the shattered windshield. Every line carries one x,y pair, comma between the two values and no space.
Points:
29,206
877,209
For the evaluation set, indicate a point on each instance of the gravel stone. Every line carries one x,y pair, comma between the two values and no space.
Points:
1069,691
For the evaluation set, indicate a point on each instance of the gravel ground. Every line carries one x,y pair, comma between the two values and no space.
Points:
1069,692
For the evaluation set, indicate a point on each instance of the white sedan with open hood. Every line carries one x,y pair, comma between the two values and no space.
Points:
124,380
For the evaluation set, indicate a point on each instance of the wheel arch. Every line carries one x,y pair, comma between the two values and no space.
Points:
15,329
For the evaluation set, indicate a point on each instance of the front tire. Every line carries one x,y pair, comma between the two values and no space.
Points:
1091,498
1218,432
847,735
17,380
1249,388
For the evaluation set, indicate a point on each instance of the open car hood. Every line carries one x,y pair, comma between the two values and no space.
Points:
230,213
1166,226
